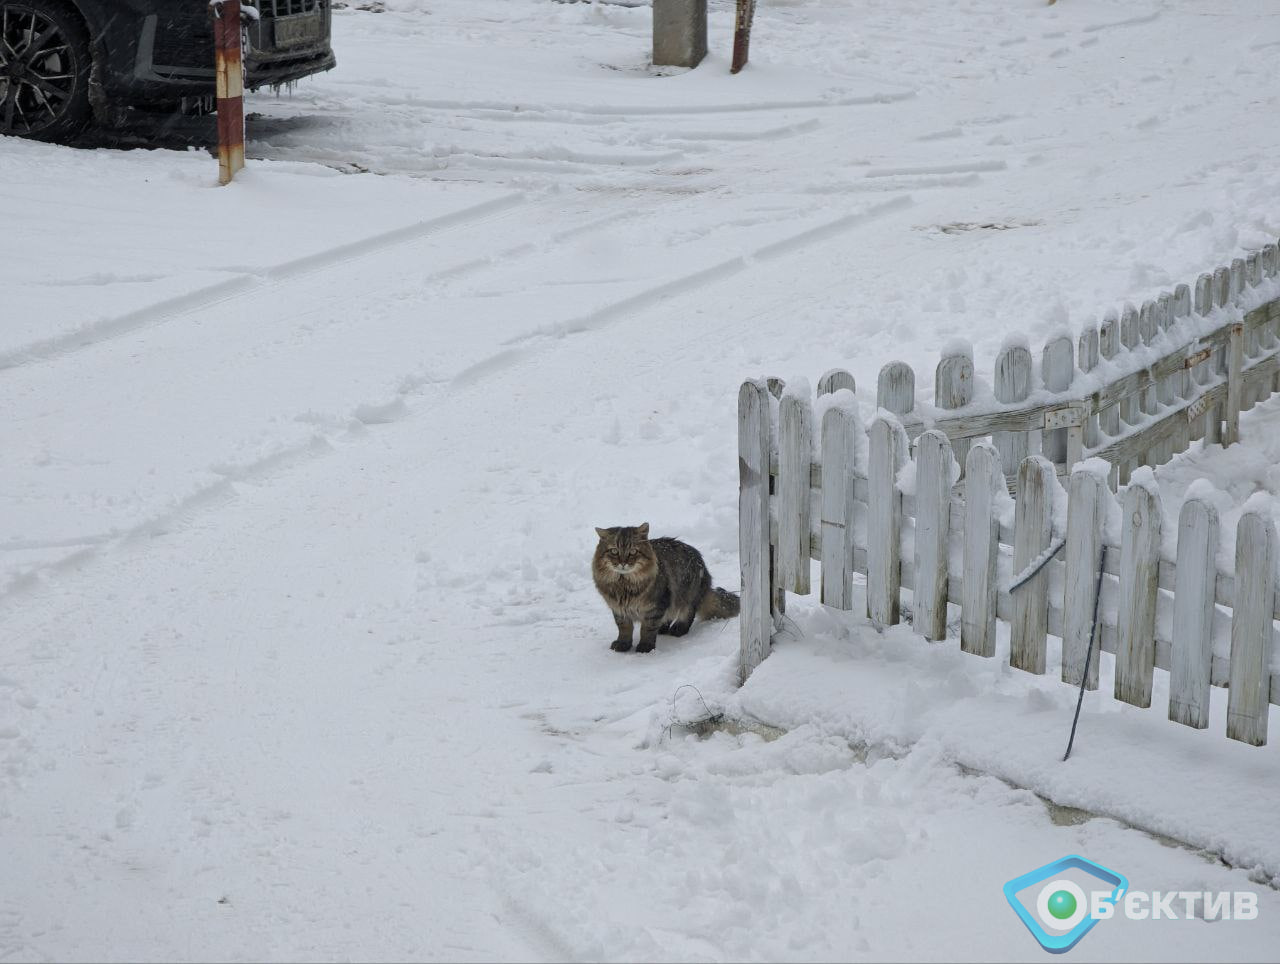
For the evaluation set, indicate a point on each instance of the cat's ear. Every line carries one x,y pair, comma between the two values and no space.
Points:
643,530
602,533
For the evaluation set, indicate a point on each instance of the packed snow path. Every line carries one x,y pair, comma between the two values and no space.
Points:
302,658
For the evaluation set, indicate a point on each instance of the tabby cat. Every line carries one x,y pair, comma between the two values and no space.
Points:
662,583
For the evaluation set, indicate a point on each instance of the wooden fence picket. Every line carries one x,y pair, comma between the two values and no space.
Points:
756,621
1129,409
1253,269
1235,387
1273,272
1220,296
1259,339
795,457
1203,372
1109,418
953,388
984,480
1221,287
1268,333
1183,386
776,388
896,388
1251,632
1253,336
1147,330
1271,269
934,464
1204,295
834,380
1182,301
888,453
840,431
1191,661
1087,359
1165,388
1267,266
1136,612
1088,502
1012,385
1057,368
1032,535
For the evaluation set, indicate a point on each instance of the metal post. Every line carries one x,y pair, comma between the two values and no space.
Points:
230,80
746,11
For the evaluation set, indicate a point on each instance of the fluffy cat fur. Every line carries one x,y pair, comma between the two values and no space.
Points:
660,583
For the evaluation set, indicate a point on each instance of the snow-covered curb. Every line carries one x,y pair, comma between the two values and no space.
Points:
895,693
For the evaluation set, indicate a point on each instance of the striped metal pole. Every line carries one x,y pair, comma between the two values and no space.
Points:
746,11
226,42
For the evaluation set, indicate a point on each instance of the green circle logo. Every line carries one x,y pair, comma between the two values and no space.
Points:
1062,904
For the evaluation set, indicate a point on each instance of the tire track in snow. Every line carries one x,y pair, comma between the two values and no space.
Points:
201,499
962,167
507,255
523,346
1131,22
486,147
595,114
769,134
371,414
888,185
250,282
538,929
361,415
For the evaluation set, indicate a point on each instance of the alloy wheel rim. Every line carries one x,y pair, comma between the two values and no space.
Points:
37,71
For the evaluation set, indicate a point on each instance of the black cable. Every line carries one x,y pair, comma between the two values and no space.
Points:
1088,656
1027,575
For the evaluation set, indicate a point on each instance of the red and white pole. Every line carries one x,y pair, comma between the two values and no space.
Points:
230,71
746,11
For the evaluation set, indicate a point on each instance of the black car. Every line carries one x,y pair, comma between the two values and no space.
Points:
64,63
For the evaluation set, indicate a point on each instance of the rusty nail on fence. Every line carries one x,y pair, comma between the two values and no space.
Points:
230,71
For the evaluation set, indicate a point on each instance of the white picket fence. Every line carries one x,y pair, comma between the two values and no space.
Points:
938,521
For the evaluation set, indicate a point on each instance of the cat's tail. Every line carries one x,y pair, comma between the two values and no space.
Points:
718,604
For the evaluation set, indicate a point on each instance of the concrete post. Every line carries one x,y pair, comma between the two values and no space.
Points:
679,32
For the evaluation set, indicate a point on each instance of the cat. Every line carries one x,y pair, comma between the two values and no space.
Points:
662,583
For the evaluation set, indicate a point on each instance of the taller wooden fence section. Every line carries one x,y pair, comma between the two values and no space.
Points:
920,500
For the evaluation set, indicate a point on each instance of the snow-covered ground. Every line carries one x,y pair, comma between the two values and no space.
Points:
301,657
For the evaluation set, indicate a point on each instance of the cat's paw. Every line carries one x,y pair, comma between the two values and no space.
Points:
622,646
664,629
646,647
679,629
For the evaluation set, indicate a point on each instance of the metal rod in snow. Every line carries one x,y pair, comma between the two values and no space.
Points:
1088,653
1036,564
229,66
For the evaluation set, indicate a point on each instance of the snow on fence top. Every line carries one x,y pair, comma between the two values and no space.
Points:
1135,390
1148,382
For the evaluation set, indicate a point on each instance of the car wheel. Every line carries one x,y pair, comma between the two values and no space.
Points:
44,70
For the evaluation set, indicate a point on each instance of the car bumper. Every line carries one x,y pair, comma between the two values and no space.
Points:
171,56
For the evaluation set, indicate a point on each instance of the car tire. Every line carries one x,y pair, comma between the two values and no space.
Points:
45,68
